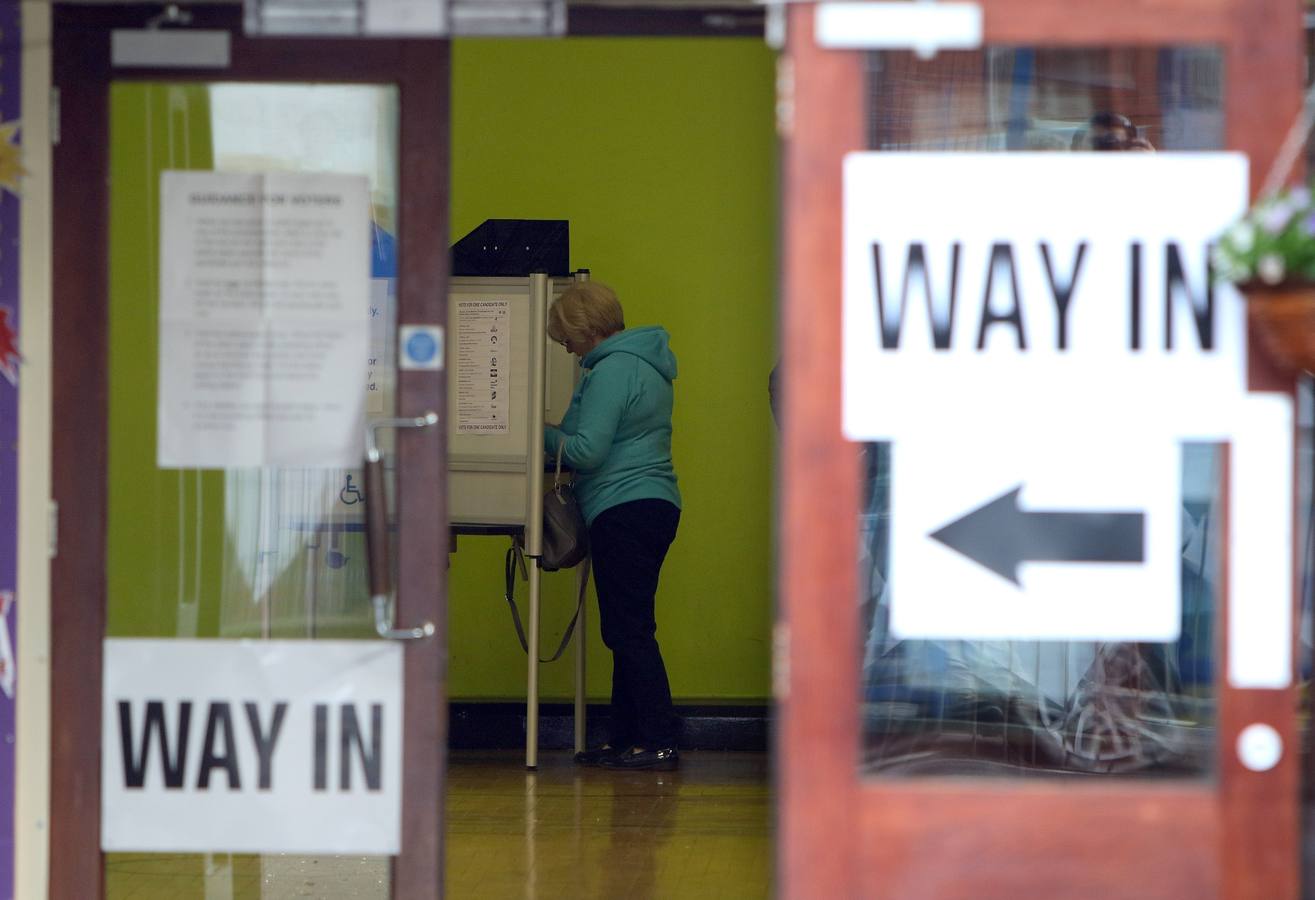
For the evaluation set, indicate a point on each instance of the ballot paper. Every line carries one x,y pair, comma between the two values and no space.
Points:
483,347
264,319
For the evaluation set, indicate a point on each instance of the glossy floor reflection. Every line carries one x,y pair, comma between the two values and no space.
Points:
562,831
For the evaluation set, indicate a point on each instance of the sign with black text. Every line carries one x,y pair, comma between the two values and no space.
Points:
251,746
1038,334
1012,286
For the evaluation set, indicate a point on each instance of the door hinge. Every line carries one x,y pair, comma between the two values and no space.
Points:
54,117
52,529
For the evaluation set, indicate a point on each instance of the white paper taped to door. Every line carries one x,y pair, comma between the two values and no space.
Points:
264,319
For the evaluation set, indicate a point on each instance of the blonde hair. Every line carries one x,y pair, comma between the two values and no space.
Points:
584,311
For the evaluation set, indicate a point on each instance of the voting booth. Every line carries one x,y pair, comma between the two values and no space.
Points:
505,379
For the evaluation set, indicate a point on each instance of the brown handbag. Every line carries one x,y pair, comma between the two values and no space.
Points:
565,535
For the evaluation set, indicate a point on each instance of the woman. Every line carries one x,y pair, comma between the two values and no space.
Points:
616,435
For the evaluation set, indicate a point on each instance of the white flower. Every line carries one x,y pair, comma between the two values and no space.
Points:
1242,236
1299,197
1274,218
1270,268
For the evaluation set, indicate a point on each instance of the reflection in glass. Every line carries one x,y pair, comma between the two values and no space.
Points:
294,536
984,707
247,552
1045,100
1043,707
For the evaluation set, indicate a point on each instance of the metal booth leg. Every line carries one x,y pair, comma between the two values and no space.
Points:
581,573
532,677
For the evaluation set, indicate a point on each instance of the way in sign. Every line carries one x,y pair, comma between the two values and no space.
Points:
1000,536
218,754
1002,304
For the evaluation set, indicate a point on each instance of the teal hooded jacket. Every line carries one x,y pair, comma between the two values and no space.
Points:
617,430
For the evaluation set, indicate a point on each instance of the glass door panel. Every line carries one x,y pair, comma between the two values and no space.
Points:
1027,708
251,552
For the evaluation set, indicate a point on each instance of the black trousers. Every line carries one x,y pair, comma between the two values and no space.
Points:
628,543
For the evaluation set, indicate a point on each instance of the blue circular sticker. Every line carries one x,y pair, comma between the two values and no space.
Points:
421,347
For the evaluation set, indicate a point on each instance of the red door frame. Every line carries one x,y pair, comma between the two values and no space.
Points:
843,836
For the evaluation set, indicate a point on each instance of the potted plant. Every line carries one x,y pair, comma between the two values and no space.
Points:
1270,255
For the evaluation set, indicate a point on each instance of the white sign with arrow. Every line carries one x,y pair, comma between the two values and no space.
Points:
1068,539
1038,334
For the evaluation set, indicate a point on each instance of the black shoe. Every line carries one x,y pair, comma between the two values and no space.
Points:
664,759
596,756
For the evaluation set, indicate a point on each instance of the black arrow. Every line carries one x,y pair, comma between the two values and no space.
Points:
999,536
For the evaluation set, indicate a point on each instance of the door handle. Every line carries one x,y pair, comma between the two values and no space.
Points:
376,531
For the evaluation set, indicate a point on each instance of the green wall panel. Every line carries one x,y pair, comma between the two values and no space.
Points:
166,530
661,153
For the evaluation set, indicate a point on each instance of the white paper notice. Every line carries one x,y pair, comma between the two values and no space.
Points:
378,362
264,312
483,339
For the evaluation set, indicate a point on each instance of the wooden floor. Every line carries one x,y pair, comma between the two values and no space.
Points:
704,831
701,832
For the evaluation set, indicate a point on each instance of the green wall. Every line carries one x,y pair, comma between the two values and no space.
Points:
661,153
166,527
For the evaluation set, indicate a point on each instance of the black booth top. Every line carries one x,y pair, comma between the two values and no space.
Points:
514,248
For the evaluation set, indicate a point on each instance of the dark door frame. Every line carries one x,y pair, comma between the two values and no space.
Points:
82,74
840,835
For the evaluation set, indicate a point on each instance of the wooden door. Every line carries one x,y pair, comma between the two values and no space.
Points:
407,84
1222,830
